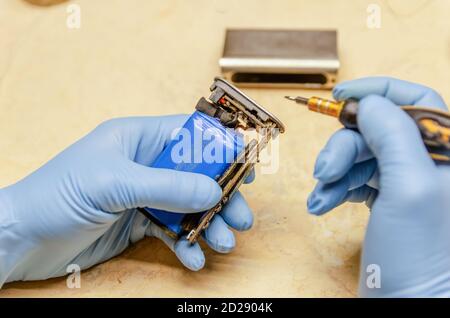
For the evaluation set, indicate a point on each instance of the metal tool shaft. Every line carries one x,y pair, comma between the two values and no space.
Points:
298,99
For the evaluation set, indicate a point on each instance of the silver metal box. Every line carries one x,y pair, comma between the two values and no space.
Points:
281,58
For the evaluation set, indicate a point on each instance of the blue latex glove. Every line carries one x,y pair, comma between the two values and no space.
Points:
79,208
387,166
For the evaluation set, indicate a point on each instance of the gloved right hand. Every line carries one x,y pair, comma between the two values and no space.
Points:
387,166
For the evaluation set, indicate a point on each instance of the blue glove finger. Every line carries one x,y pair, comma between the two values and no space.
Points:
251,177
143,138
345,148
237,213
362,194
218,236
327,196
396,143
190,255
165,189
398,91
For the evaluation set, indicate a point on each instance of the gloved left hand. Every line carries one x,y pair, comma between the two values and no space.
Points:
79,208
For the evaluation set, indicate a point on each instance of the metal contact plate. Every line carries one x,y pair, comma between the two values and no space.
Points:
246,101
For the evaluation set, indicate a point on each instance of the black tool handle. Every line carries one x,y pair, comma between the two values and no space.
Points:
434,124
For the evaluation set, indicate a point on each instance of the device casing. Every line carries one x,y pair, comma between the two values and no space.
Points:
223,139
281,58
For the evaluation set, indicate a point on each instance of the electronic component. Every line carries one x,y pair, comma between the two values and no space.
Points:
225,115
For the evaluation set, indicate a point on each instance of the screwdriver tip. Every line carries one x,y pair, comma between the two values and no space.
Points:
298,99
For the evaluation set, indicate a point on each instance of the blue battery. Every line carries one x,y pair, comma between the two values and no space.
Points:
203,145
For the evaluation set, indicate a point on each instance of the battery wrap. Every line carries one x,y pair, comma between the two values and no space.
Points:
203,146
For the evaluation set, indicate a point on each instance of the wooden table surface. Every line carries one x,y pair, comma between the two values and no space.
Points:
139,57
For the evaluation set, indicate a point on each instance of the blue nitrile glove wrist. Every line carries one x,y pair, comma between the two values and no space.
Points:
387,166
80,207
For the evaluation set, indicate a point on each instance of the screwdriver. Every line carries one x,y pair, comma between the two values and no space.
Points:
434,124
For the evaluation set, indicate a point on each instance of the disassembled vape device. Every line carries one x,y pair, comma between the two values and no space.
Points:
281,58
226,114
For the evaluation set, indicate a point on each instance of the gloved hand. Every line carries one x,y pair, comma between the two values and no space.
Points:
79,208
387,166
